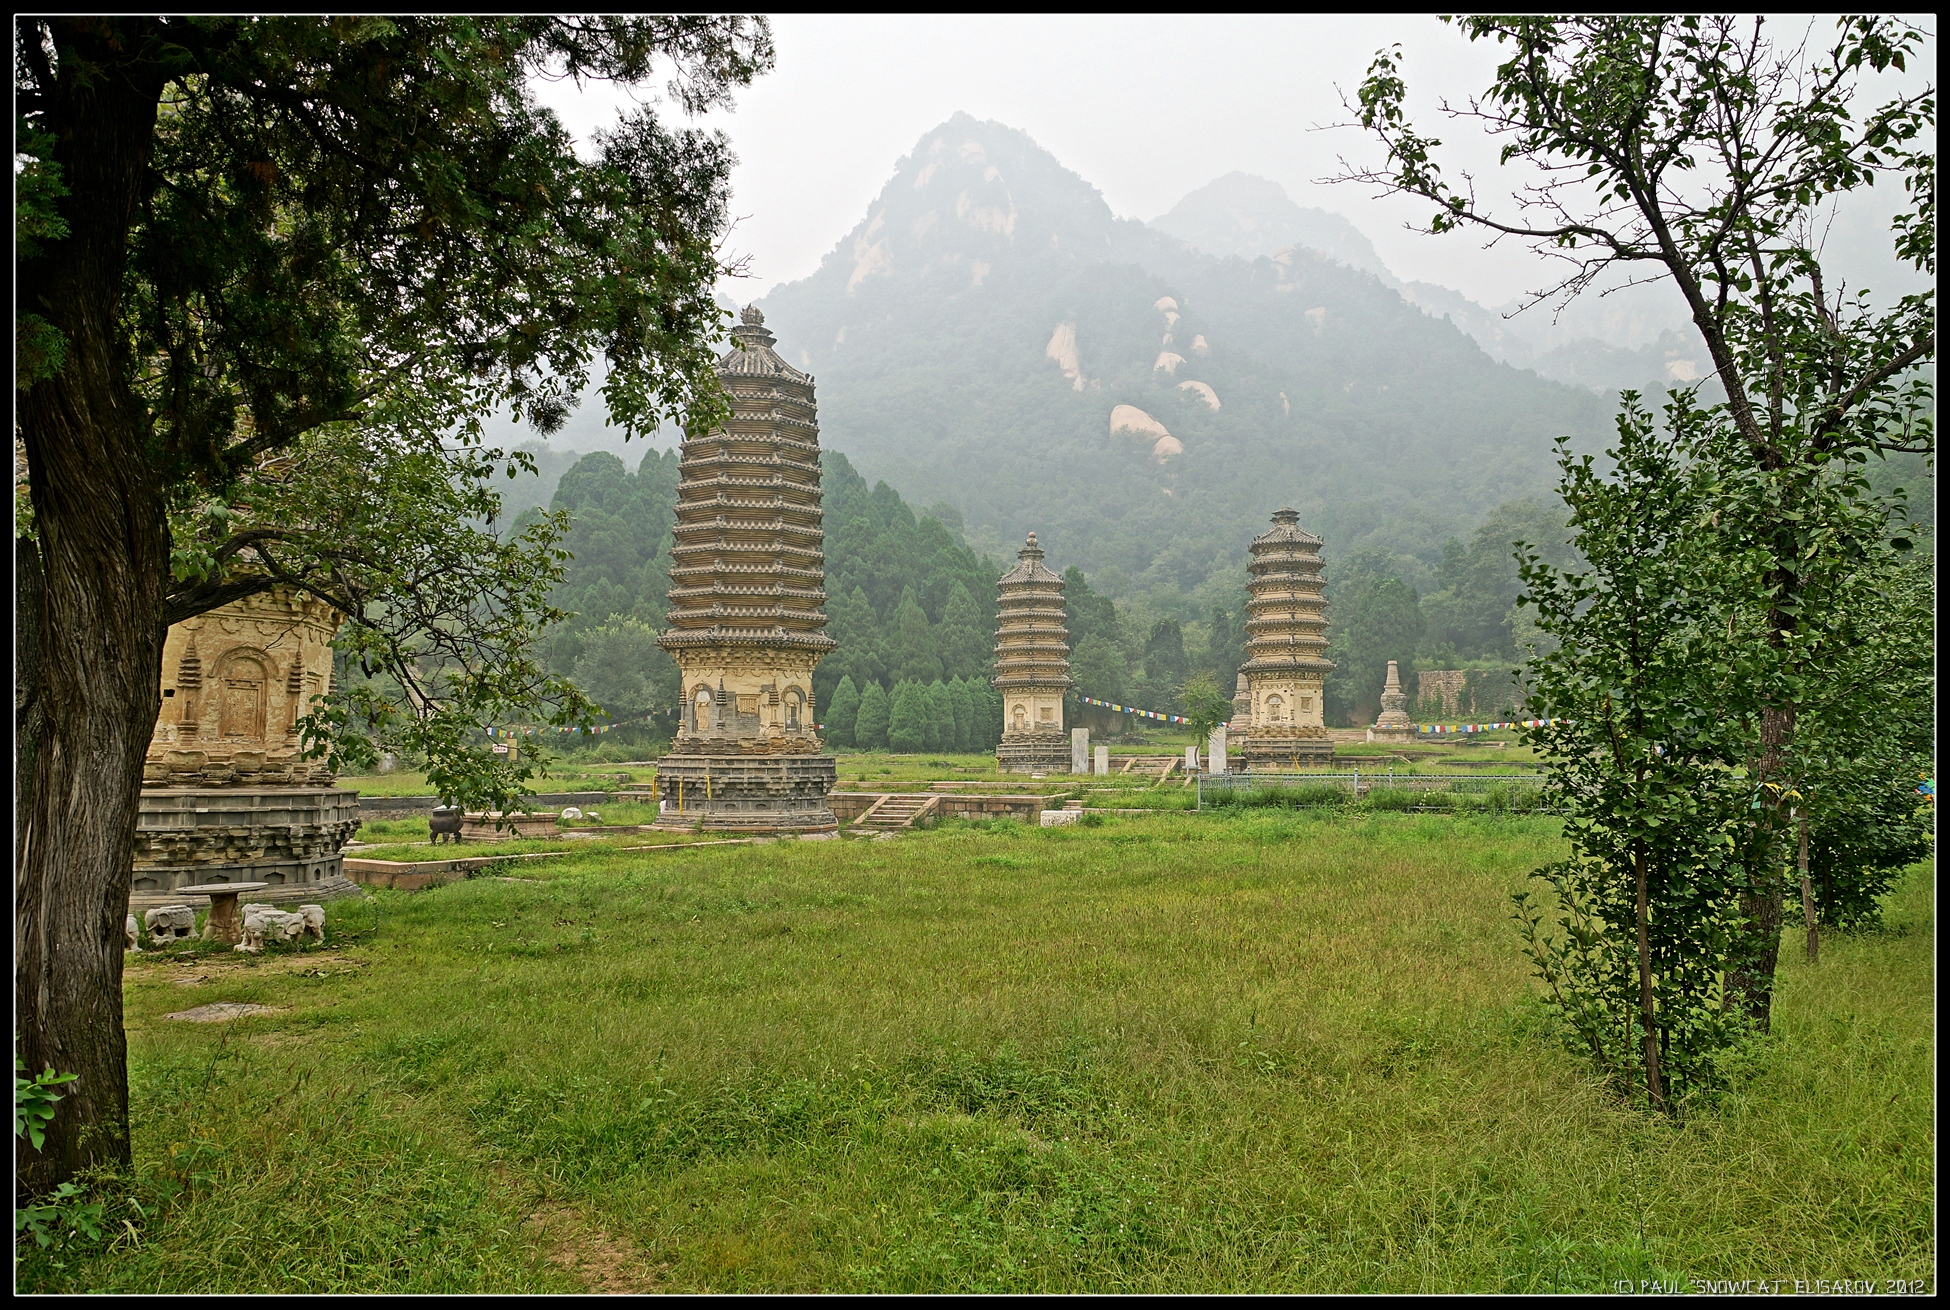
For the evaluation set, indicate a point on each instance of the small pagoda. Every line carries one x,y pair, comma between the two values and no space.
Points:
746,592
1032,666
1393,724
1286,650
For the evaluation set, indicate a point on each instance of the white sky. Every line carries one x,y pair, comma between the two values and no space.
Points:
1146,108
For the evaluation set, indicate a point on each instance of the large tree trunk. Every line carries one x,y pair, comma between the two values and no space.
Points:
1751,980
103,551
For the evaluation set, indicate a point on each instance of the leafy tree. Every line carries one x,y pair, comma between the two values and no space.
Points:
1649,686
1469,615
1088,614
911,653
1372,618
907,719
251,239
1697,149
870,728
1206,707
1228,646
841,711
1097,666
623,670
1164,668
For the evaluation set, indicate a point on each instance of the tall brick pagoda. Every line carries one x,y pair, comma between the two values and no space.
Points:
1286,650
1032,666
746,590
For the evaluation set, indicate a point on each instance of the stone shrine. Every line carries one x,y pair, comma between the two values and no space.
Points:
747,585
1032,666
227,795
1393,723
1286,651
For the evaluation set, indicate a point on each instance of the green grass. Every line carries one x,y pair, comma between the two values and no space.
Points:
1272,1050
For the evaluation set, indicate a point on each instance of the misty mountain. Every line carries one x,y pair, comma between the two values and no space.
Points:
1629,337
990,336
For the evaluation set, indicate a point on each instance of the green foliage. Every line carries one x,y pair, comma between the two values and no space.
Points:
841,712
1372,617
870,728
907,719
1205,706
1097,668
34,1101
623,670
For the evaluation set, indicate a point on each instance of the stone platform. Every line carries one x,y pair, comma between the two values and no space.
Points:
289,837
325,890
747,793
1284,752
1033,752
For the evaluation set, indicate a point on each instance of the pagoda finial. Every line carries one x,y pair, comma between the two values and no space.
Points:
1030,549
1286,516
752,317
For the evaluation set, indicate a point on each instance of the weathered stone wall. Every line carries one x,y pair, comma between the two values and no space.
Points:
1465,694
235,682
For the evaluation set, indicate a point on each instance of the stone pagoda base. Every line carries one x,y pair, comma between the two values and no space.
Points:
1262,752
1391,733
746,793
290,837
1033,752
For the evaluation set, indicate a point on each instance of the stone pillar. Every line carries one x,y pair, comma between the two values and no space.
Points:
1191,759
1103,761
1079,750
1215,750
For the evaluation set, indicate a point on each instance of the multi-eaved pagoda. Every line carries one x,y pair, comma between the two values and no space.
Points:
1286,651
745,617
1032,666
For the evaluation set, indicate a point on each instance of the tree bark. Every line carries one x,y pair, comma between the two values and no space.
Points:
1751,980
103,549
1655,1089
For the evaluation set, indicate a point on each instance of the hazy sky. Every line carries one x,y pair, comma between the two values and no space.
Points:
1147,108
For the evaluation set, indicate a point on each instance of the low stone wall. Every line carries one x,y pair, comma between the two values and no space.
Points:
850,805
410,807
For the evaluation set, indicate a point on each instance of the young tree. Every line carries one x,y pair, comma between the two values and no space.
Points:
870,727
1206,707
907,718
841,711
1647,691
244,232
1697,150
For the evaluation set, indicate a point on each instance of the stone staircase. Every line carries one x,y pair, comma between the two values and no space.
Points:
898,810
1160,766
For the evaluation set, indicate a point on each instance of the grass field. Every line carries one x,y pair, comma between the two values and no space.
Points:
1270,1050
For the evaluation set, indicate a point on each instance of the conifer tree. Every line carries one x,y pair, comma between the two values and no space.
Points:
913,657
941,717
841,712
960,638
907,719
958,692
870,726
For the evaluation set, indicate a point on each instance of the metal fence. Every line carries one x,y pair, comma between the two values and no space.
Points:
1356,783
